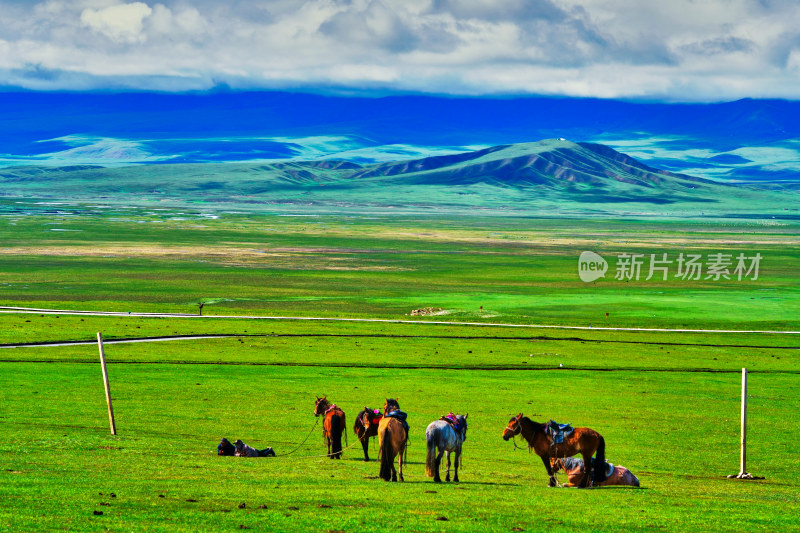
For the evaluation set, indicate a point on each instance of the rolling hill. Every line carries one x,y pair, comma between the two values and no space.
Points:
553,176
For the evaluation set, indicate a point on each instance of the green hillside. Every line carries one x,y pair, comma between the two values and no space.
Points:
554,177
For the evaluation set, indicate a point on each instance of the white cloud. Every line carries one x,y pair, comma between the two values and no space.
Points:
120,23
681,49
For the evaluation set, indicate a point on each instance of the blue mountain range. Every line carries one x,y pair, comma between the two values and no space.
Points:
746,140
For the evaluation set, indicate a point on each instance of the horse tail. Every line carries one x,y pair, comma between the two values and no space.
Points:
344,430
336,435
430,459
599,470
386,455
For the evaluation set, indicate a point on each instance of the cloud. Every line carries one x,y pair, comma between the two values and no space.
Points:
120,23
679,50
719,45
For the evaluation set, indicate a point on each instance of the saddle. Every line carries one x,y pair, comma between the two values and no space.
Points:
378,417
558,431
451,419
399,415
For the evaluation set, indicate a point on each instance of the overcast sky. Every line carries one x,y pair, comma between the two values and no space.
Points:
689,50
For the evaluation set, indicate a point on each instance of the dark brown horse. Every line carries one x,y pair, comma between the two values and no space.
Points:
582,441
366,426
333,425
392,441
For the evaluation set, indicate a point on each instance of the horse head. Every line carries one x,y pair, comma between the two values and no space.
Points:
462,423
391,405
321,405
514,427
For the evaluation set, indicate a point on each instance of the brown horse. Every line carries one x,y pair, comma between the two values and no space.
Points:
582,441
366,426
392,440
616,475
333,425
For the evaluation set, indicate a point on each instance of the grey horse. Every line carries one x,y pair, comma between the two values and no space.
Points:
445,436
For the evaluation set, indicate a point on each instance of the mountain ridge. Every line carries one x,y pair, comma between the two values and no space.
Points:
557,173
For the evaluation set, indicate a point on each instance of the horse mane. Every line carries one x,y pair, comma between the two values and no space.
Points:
359,421
535,426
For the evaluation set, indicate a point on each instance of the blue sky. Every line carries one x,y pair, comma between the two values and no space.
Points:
671,50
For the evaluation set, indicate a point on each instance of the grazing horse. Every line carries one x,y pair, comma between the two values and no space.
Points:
616,475
366,426
333,425
392,441
445,437
582,441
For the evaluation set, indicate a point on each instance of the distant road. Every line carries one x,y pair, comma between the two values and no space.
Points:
31,310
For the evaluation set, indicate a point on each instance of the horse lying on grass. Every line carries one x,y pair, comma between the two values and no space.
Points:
574,468
445,436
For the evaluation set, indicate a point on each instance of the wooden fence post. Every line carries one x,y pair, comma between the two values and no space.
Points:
105,382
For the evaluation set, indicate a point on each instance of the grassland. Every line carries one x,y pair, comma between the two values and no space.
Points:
667,403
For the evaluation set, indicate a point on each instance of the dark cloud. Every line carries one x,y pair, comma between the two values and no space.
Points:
373,25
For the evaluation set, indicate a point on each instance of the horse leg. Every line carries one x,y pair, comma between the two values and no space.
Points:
546,461
365,445
456,464
587,470
394,472
436,478
400,458
447,474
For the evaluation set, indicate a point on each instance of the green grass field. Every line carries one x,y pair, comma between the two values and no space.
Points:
666,403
